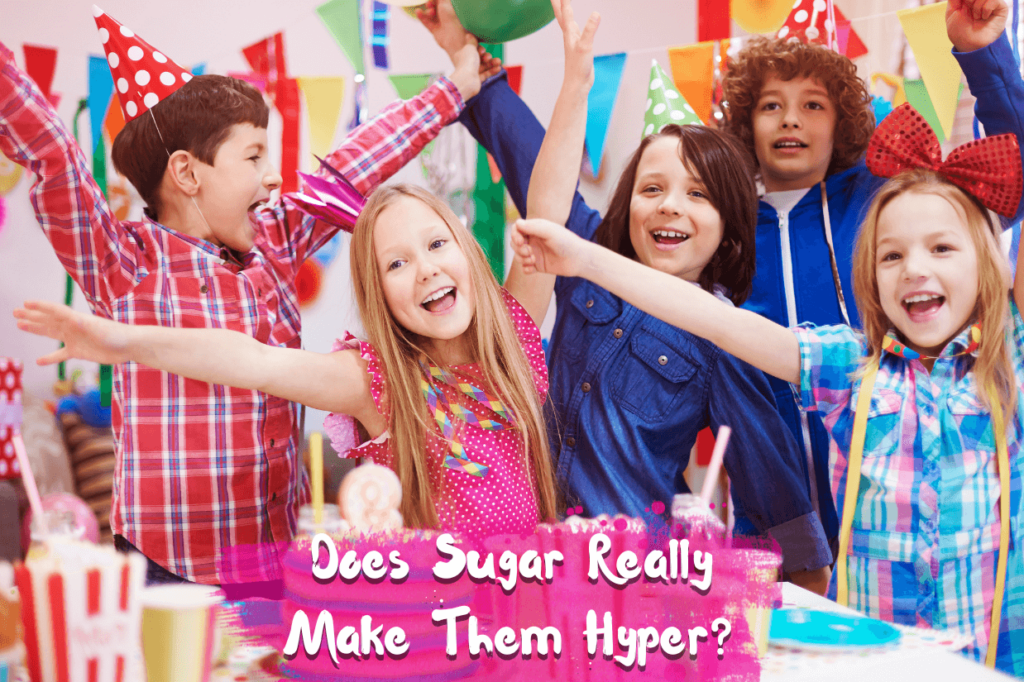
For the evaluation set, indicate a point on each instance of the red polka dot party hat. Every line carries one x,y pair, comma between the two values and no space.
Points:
811,22
142,75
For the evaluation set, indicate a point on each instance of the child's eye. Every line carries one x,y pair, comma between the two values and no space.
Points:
395,264
889,257
815,105
438,243
769,106
698,193
254,158
650,189
943,248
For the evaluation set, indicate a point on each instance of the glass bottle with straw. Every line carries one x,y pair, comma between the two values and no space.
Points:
691,514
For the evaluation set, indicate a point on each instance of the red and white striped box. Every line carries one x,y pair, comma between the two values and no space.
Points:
82,614
10,416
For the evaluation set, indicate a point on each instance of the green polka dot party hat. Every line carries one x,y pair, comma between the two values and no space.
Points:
664,103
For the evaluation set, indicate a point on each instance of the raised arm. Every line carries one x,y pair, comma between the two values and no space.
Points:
554,178
335,382
544,246
97,251
976,29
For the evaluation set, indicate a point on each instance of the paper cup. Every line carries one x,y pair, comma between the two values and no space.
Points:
179,632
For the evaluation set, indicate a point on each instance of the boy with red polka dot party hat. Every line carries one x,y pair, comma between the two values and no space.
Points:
208,479
805,116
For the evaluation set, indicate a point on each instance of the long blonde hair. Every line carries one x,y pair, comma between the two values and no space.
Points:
495,346
992,366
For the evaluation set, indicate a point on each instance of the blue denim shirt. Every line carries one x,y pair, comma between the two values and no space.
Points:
629,393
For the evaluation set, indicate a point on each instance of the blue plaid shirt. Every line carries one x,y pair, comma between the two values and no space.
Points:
925,537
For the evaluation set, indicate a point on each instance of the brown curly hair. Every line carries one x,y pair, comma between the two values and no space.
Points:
763,58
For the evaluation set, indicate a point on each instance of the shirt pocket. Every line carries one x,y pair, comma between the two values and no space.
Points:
885,495
653,376
590,307
973,422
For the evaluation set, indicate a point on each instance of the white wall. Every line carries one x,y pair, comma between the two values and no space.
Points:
213,31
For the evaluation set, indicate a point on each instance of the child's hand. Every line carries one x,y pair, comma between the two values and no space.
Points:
473,64
579,46
86,337
544,246
974,24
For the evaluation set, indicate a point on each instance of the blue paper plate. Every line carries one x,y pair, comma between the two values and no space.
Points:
807,628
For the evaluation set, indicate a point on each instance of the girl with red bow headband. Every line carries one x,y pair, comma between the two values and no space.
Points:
923,406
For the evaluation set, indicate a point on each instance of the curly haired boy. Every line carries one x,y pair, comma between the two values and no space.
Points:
805,116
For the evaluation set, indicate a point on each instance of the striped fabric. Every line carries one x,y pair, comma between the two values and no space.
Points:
208,477
925,535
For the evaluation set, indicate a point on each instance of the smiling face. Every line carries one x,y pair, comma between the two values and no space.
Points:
673,225
425,277
927,270
240,178
794,122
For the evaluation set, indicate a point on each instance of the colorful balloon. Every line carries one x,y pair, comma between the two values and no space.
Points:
499,21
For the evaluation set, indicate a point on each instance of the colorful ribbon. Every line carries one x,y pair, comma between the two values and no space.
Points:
442,410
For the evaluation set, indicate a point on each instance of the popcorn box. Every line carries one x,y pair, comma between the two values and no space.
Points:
10,415
81,613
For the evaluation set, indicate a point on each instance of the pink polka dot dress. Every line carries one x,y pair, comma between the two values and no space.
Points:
500,502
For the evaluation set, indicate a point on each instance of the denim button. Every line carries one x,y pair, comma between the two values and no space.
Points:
590,303
617,333
662,360
570,441
585,387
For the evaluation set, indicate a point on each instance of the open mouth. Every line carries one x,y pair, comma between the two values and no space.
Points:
790,144
440,301
921,305
257,205
669,237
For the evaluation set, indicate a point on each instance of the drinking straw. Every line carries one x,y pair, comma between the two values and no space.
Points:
30,483
316,468
716,464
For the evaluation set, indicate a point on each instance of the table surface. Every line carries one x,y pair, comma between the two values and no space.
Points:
905,663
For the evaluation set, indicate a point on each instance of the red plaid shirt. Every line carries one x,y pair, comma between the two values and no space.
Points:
208,477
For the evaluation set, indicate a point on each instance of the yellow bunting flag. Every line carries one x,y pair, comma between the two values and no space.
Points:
323,97
693,71
760,16
893,81
925,28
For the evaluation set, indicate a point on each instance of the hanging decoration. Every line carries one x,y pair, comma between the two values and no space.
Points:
113,123
379,41
489,202
600,102
41,65
101,91
760,16
920,99
323,97
267,59
409,85
10,174
515,77
343,19
925,28
712,20
693,72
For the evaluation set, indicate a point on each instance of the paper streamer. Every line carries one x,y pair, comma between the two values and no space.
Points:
925,28
917,95
409,85
341,17
40,65
323,97
601,102
267,59
489,202
515,77
712,20
101,91
379,41
693,71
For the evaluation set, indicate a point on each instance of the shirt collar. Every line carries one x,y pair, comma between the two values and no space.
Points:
964,343
228,256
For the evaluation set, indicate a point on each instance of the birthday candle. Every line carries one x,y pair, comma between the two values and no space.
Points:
316,467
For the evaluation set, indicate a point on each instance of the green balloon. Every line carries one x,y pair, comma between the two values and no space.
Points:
499,21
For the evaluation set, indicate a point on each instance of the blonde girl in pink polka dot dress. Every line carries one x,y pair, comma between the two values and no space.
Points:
448,387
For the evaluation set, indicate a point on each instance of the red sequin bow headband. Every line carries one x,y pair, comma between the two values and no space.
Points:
988,169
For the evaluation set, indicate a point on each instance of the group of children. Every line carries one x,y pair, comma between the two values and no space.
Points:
671,307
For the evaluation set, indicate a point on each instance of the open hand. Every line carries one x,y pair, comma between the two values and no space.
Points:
579,45
85,337
974,24
438,17
544,246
